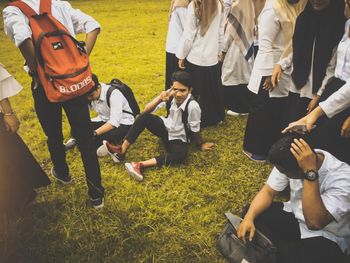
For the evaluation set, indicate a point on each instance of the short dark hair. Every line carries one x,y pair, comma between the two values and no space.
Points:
281,155
183,77
96,85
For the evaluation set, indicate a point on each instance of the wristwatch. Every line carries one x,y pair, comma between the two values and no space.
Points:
311,175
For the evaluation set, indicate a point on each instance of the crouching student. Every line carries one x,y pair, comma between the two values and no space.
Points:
114,116
176,130
313,227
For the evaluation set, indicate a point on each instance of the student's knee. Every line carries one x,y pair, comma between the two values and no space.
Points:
143,117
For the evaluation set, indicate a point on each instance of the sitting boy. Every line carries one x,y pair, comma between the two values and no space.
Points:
114,119
175,130
313,226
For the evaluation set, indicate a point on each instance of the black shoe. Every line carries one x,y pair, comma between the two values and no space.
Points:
97,203
65,180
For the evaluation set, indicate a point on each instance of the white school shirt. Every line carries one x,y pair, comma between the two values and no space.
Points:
236,69
197,49
227,7
8,85
334,181
306,90
271,47
174,124
17,28
175,29
337,102
113,115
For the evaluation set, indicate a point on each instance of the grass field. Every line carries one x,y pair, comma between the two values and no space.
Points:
176,214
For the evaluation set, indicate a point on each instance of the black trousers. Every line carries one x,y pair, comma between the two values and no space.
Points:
171,66
176,150
115,136
77,111
283,230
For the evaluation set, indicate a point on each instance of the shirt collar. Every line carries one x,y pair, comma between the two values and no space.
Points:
183,105
104,88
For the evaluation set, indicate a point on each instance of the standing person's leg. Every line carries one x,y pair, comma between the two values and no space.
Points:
50,118
79,118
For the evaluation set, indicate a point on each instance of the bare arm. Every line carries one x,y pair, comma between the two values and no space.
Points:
10,120
153,104
260,203
91,38
27,50
104,128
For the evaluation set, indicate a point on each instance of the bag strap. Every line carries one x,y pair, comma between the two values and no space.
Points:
45,7
185,118
233,219
26,9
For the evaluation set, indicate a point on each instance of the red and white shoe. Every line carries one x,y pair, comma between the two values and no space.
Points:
134,170
115,151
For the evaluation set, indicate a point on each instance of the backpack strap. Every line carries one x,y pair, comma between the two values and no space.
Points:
185,118
26,9
108,98
45,7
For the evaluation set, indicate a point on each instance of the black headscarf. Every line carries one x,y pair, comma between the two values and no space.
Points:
325,28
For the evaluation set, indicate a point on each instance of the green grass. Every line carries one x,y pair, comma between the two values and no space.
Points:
176,214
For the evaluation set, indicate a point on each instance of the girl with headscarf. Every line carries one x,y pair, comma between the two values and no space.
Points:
200,45
177,18
318,31
276,24
238,56
20,174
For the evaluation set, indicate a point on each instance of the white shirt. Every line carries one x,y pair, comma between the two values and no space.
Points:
271,47
175,29
236,69
334,180
8,85
174,124
306,91
197,49
113,115
337,102
17,28
227,7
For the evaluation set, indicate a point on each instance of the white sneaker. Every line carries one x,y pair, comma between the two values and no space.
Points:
233,113
102,151
70,144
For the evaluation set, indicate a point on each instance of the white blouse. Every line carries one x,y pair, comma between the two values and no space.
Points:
175,29
197,49
8,85
271,47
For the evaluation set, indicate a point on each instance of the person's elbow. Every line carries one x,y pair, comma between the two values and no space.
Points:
314,224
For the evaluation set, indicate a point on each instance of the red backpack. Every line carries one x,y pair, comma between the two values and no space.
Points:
62,62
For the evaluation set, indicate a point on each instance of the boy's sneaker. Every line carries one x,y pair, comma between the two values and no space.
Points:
233,113
65,180
134,170
97,202
102,151
70,144
114,151
255,157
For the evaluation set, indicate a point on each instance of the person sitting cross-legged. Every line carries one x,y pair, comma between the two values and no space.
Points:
175,130
114,116
313,226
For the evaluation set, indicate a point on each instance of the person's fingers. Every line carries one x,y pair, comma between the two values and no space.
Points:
299,144
296,148
295,154
251,234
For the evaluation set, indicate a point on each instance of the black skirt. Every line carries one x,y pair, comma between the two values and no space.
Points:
207,90
296,108
171,66
326,135
265,122
19,173
237,98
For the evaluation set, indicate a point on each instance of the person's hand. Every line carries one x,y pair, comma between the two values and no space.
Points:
167,94
222,57
303,125
246,226
267,84
207,146
313,103
181,64
345,129
11,123
305,157
276,75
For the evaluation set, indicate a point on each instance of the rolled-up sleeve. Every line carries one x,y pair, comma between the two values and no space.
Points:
188,35
194,117
82,22
16,25
277,181
116,102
